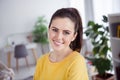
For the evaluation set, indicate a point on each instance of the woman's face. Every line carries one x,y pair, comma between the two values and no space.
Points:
61,33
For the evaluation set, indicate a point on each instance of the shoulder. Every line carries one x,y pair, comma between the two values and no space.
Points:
78,56
43,57
77,67
77,59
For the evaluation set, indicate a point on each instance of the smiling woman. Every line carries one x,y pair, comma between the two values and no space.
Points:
61,35
65,36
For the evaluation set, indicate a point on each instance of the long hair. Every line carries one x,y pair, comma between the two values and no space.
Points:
74,16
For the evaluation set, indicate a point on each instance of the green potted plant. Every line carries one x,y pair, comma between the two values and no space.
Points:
99,37
40,32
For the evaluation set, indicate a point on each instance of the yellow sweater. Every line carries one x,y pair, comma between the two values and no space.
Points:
73,67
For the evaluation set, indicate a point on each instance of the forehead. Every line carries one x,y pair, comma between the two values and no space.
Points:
63,23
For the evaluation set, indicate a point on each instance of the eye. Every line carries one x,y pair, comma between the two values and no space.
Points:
66,32
55,30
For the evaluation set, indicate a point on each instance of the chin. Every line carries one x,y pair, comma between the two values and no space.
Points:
57,48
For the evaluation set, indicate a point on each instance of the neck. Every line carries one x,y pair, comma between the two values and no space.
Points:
56,56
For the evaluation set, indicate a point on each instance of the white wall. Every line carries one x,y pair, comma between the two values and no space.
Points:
105,7
19,16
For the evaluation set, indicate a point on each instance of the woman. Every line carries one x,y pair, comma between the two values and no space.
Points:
65,36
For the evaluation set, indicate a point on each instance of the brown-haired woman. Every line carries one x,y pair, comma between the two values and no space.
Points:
65,36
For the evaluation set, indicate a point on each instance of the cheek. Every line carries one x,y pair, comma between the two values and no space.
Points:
68,40
51,35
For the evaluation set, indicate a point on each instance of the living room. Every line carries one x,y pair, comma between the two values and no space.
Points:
18,19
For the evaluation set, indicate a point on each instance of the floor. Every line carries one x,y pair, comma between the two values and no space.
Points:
24,72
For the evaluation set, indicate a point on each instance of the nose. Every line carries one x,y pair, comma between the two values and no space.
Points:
59,35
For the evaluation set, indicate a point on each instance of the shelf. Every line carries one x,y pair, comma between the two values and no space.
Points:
114,24
115,46
114,28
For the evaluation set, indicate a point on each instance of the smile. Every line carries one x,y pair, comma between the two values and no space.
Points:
58,43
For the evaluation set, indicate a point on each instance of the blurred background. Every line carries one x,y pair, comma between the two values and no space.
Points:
18,19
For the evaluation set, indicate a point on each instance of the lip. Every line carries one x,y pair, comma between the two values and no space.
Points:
57,43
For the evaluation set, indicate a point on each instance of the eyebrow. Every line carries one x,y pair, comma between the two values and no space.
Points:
63,30
53,27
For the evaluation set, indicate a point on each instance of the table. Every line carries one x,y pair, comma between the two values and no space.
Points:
10,50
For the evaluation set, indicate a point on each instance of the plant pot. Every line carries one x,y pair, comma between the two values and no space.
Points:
107,77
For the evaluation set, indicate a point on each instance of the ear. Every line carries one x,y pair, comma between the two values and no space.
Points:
74,36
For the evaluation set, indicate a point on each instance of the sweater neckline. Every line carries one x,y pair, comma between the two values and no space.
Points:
67,57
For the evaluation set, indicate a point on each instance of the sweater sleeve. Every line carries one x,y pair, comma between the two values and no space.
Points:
78,69
36,71
38,68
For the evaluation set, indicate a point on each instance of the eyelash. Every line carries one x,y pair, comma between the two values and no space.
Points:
55,30
65,32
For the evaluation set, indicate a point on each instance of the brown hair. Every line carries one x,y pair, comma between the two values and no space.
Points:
74,16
